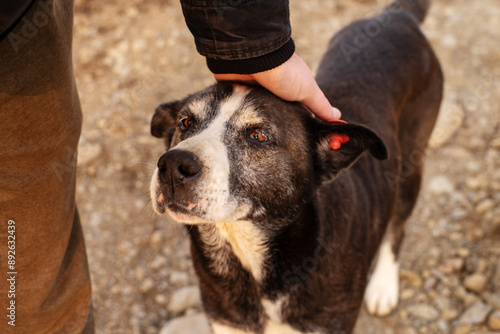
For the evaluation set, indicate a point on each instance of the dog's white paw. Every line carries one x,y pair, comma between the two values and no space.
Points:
381,295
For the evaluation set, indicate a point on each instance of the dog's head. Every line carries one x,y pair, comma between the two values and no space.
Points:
240,153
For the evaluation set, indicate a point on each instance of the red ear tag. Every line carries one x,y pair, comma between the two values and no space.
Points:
337,140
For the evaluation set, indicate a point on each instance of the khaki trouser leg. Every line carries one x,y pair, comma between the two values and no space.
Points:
40,123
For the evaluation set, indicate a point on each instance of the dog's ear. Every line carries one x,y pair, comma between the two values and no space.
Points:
164,120
339,145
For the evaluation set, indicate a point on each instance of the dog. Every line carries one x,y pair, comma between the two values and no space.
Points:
285,227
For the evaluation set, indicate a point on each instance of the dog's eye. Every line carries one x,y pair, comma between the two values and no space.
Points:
187,122
258,136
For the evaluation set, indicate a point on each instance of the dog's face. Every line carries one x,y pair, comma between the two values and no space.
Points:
240,153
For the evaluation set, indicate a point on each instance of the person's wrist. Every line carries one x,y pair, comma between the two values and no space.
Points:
252,65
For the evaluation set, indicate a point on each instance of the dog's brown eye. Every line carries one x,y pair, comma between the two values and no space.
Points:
258,136
186,122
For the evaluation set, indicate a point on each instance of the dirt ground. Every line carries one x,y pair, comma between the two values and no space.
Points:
130,56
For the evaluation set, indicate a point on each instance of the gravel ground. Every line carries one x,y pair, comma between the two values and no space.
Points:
130,57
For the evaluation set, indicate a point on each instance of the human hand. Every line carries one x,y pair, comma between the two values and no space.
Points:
292,81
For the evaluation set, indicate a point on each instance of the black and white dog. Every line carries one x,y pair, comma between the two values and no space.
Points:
284,228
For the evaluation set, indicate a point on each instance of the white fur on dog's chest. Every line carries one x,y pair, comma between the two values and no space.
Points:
271,328
274,311
273,325
246,243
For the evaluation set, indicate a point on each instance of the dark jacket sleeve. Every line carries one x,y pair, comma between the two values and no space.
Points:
10,14
240,36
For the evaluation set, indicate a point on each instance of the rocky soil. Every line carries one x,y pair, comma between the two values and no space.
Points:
130,56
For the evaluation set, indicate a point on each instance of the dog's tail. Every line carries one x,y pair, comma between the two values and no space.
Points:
416,8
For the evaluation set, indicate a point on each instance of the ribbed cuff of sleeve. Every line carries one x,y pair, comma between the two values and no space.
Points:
253,65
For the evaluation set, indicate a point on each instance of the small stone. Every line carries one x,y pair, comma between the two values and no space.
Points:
403,314
458,213
475,282
457,264
440,184
178,278
494,299
463,252
432,262
183,299
423,311
484,206
443,326
411,277
151,330
477,234
478,182
405,330
450,119
432,295
158,262
496,278
463,329
407,294
450,41
88,152
156,238
495,143
139,273
494,320
473,166
161,299
452,265
190,324
442,302
146,285
449,314
456,236
450,280
469,299
475,314
481,266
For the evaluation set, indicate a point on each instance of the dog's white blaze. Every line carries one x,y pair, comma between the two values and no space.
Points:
209,147
381,295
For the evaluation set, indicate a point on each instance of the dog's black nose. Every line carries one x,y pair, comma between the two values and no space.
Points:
178,166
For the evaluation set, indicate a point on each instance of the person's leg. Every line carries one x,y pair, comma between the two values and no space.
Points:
40,123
